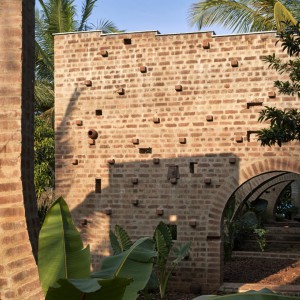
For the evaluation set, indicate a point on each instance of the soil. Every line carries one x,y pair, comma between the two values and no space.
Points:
263,271
252,270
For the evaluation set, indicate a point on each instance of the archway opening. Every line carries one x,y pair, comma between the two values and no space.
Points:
261,232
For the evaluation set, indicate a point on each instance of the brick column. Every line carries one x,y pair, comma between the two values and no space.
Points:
18,211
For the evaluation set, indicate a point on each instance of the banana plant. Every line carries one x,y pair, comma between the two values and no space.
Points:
163,246
89,289
61,254
135,263
64,264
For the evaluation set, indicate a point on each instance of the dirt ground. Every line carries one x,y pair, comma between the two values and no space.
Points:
253,270
263,270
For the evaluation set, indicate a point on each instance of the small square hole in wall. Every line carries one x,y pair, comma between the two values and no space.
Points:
173,230
127,41
97,185
98,112
192,167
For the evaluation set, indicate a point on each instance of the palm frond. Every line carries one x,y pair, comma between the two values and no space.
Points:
106,26
240,16
283,16
87,9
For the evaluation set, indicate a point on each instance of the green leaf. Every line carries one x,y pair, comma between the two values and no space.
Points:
135,263
166,232
161,247
89,289
181,251
119,240
61,253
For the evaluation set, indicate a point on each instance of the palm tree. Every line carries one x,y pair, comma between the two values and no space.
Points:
244,15
56,16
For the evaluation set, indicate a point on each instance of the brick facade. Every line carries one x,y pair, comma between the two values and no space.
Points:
161,104
18,211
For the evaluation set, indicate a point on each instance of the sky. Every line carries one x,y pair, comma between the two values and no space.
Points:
166,16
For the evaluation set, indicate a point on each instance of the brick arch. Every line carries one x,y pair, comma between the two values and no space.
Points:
231,184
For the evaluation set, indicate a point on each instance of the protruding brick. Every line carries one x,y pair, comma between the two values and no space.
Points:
193,222
239,139
207,180
234,63
173,180
209,118
135,202
182,140
88,83
91,142
135,141
111,161
272,94
143,69
206,44
79,122
156,120
159,211
104,53
75,162
108,211
135,181
232,160
156,161
178,87
121,91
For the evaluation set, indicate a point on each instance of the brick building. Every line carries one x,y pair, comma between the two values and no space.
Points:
154,127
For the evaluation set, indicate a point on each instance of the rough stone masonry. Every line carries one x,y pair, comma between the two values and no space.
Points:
153,127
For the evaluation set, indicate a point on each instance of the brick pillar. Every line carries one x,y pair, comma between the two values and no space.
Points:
18,211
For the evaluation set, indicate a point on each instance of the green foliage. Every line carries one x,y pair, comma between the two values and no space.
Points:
285,204
119,240
61,252
261,237
243,15
164,246
264,294
238,226
135,263
89,289
43,156
64,265
284,124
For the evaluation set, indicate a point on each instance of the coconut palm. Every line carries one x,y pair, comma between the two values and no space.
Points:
244,15
56,16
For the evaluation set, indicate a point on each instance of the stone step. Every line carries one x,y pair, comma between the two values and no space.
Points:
259,254
231,287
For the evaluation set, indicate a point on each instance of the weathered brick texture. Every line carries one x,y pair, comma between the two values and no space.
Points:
194,100
18,212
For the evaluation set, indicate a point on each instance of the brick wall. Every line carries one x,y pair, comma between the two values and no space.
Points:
192,101
18,213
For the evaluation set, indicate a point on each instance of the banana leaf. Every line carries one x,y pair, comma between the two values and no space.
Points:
89,289
264,294
61,253
135,263
119,240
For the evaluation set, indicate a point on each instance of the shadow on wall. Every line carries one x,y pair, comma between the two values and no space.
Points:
139,194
